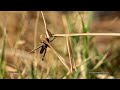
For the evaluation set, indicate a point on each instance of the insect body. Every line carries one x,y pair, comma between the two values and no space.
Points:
43,47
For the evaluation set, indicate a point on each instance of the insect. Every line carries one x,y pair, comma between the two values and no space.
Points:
43,47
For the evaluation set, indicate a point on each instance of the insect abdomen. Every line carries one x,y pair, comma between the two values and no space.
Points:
42,49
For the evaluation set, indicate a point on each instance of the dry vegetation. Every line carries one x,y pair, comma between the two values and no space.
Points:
68,57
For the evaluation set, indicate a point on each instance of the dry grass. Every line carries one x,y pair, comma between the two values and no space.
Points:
66,57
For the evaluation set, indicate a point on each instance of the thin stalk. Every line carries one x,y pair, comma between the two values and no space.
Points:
68,41
35,42
86,34
48,34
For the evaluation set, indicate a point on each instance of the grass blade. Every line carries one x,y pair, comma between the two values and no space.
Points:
90,18
100,62
2,62
68,40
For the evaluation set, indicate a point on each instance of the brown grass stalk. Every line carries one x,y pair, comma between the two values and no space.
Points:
100,62
68,40
45,25
86,34
59,56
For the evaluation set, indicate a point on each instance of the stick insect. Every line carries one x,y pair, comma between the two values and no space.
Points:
44,46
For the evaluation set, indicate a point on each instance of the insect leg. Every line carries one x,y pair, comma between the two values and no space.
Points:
44,54
33,51
42,49
52,39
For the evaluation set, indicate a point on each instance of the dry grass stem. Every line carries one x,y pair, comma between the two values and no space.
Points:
87,34
59,56
68,40
35,37
35,30
45,25
101,61
70,55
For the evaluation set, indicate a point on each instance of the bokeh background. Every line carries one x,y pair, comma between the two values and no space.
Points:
20,28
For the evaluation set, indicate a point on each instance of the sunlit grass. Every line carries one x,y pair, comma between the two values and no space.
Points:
78,61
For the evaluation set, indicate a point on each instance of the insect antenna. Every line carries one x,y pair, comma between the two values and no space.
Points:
33,51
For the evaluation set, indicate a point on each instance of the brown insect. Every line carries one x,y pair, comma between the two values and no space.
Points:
43,47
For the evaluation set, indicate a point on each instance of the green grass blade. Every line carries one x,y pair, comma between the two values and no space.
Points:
76,74
33,72
90,18
2,62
